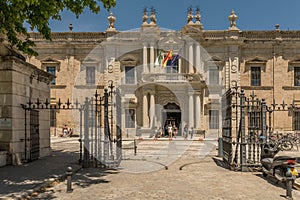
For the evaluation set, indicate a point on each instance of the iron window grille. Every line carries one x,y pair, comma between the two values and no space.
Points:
255,76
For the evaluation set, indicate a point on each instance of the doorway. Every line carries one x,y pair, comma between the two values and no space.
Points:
171,115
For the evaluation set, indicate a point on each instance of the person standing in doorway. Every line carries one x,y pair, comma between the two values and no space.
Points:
175,130
170,130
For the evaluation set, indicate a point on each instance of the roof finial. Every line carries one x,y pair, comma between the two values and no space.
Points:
190,16
152,17
111,21
198,17
232,18
145,16
71,27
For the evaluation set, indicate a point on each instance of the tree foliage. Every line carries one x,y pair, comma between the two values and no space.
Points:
37,13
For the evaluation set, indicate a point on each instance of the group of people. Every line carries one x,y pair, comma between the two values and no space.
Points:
171,131
66,132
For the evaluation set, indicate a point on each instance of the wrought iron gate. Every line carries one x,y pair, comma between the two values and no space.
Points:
100,142
242,150
34,135
242,147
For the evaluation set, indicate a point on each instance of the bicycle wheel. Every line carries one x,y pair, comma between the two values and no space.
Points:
286,146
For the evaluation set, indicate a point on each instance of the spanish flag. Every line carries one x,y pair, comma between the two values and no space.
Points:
168,57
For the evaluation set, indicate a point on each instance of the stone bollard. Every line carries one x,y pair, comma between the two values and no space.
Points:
289,185
69,181
135,147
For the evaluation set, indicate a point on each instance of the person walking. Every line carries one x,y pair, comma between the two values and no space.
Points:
192,132
185,132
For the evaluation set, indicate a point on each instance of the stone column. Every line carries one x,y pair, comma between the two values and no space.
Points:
145,59
151,58
145,111
191,58
198,56
198,111
191,110
152,110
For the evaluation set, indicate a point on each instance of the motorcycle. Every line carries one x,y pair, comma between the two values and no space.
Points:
279,167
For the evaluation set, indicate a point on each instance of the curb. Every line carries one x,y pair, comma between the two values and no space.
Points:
27,194
297,185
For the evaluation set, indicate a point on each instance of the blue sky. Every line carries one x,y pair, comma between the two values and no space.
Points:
171,14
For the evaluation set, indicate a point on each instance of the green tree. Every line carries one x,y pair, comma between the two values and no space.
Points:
37,13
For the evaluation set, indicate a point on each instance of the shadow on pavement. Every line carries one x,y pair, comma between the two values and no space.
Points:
82,179
271,180
15,180
219,162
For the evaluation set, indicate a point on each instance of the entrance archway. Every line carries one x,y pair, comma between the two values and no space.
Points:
171,114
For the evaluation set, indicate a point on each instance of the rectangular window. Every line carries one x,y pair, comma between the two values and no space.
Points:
129,118
296,76
255,76
254,118
213,76
90,75
297,121
213,119
52,118
129,75
52,70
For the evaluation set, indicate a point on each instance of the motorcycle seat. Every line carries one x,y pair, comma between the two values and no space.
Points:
283,158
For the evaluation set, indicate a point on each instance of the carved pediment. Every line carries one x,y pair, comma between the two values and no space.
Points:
129,60
214,60
50,62
90,60
171,41
256,60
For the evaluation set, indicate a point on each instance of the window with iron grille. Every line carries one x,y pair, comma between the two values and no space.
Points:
213,75
52,70
213,119
254,119
297,121
255,76
129,118
90,75
296,76
52,118
129,75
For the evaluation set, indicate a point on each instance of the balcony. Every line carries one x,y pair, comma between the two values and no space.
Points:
171,78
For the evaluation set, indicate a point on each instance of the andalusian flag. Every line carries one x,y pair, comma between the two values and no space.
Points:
159,59
168,57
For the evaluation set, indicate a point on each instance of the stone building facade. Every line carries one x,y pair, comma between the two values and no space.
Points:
188,90
24,133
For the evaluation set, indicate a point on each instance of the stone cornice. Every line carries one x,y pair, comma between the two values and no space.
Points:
257,87
291,87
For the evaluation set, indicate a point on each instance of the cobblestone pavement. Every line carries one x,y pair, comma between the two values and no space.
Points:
144,176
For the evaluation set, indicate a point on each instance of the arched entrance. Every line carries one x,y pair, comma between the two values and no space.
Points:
171,114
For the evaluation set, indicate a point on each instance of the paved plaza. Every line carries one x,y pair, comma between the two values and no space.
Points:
176,169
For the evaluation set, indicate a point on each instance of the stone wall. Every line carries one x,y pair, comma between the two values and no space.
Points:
19,82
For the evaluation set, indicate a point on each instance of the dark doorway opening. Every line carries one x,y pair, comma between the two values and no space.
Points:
171,115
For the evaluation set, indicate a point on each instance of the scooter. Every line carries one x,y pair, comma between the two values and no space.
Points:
279,167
